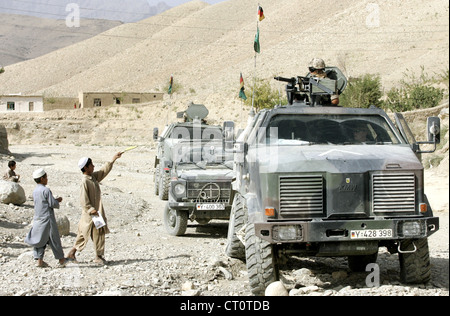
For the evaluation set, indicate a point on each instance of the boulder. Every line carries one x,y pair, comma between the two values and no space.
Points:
276,289
11,193
63,224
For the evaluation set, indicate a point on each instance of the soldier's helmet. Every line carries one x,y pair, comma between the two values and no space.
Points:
317,63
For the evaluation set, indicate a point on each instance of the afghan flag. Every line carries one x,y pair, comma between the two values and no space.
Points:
261,13
170,85
241,92
256,45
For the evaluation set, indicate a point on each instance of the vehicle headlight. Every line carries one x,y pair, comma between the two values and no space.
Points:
287,232
179,189
411,229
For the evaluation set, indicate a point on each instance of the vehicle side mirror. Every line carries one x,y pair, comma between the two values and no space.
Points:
240,147
434,129
434,135
228,135
155,133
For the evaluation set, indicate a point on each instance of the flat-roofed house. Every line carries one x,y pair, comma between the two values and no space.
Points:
95,99
21,103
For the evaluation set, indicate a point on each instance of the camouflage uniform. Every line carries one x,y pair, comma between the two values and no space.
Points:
316,69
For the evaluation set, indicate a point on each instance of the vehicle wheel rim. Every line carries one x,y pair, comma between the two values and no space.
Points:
172,218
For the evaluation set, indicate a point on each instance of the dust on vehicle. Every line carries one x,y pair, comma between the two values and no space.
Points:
315,179
194,170
174,133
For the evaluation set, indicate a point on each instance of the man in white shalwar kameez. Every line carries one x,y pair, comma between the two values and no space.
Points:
44,230
91,205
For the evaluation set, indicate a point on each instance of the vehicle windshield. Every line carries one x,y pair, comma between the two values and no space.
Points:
202,153
330,129
196,132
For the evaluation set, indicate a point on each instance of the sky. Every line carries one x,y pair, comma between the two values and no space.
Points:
125,11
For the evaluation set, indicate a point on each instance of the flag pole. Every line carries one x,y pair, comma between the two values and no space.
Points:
170,92
257,51
254,70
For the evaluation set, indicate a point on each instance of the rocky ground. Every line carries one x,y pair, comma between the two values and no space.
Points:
144,260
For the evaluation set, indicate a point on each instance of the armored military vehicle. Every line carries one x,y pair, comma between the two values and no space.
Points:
200,185
192,128
322,180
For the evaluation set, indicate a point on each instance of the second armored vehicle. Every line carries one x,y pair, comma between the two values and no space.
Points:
200,185
175,133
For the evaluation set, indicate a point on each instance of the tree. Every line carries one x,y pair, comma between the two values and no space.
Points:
264,96
363,92
414,93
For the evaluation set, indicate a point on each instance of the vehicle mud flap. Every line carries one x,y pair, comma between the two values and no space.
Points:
156,180
236,229
262,266
415,266
164,184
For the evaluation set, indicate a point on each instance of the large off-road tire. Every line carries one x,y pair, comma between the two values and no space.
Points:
156,180
175,221
261,262
359,263
238,217
164,182
415,267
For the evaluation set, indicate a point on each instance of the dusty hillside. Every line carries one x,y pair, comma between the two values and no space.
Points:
115,10
207,46
25,37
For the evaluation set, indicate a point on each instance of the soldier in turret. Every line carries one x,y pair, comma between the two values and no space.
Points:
317,69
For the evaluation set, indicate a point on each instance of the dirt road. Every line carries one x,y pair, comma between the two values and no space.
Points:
144,260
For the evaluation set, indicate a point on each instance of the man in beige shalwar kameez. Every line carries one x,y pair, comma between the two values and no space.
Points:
91,204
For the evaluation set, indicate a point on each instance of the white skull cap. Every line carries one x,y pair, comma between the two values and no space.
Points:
82,162
38,173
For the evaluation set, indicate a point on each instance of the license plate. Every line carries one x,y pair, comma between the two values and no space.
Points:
211,207
371,233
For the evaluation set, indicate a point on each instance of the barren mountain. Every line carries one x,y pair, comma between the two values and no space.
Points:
206,46
26,37
89,9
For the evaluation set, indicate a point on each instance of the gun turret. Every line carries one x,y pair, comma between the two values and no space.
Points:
292,80
314,91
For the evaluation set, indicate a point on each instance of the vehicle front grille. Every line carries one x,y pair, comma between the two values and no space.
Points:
209,192
301,196
394,193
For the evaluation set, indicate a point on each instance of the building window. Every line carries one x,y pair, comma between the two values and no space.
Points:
136,100
31,106
10,106
97,102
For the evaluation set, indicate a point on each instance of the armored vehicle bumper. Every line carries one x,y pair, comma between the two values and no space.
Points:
203,210
320,231
202,198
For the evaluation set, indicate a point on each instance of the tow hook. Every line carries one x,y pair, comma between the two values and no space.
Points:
404,251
